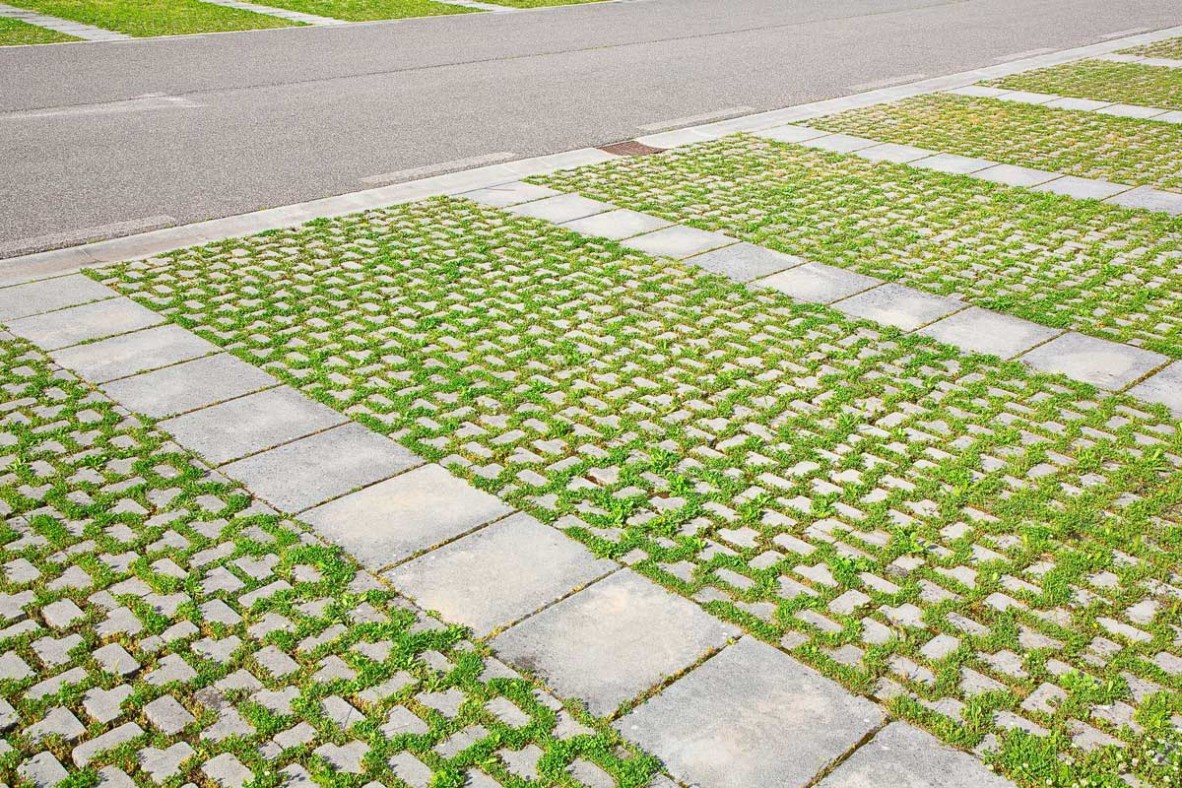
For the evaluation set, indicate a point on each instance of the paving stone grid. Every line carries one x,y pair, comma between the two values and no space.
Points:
655,721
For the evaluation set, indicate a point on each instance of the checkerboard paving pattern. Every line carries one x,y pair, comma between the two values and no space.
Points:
988,552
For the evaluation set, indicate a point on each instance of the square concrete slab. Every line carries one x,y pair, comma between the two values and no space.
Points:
1131,111
1149,199
184,387
751,717
743,262
1077,104
617,225
1011,175
499,574
507,194
563,208
981,331
817,283
678,242
131,354
1107,365
65,327
889,151
1082,188
312,470
901,756
392,521
1027,97
898,306
37,297
839,143
1174,116
791,134
1165,388
979,91
612,640
251,424
953,164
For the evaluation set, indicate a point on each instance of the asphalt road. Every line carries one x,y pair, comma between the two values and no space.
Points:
104,139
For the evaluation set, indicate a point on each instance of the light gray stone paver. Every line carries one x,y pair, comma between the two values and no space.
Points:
1082,188
981,331
67,26
1164,387
817,283
397,518
1078,104
250,424
1130,111
678,242
188,386
499,574
1013,175
1107,365
507,194
743,262
1149,199
791,134
50,294
281,13
902,307
563,208
902,756
65,327
296,476
617,225
953,163
612,640
894,152
839,143
43,770
131,354
750,717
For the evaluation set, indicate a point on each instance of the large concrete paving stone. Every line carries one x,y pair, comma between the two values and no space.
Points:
1107,365
415,511
312,470
981,331
817,283
131,354
1164,387
563,208
499,574
613,640
47,295
902,756
751,717
65,327
743,262
617,225
898,306
185,387
678,242
251,424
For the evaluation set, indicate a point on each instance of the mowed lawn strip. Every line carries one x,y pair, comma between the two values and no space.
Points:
1101,80
1102,270
368,10
144,18
991,552
14,32
1086,144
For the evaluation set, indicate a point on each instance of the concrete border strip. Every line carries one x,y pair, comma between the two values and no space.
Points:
14,270
476,4
281,13
1143,60
64,26
1055,101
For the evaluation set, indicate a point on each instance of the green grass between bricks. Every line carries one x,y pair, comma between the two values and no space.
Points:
369,10
153,17
1127,83
1124,150
541,3
14,32
1099,269
992,553
113,538
1170,48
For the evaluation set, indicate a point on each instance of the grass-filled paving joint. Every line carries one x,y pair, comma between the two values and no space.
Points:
155,622
1128,83
1086,144
153,17
367,10
1102,270
1171,48
991,553
13,32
